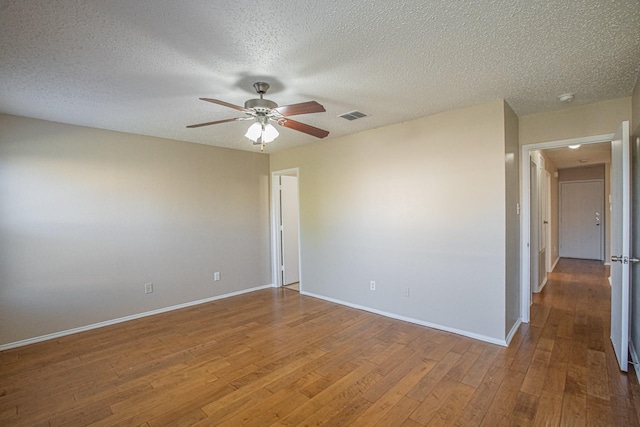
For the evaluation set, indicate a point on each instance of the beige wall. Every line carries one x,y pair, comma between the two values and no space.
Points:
512,196
573,122
582,173
88,216
417,205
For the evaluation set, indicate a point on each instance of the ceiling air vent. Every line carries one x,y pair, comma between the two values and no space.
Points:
353,115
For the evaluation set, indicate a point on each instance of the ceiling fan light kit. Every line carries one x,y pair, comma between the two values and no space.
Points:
264,112
260,133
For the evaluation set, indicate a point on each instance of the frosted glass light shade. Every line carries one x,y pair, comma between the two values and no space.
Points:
254,132
269,134
264,133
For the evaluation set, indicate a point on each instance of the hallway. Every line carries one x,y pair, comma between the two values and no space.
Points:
573,368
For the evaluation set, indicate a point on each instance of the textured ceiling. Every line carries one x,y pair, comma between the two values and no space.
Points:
140,66
587,154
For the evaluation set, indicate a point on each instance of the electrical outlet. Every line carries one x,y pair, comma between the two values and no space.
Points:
372,285
405,293
216,276
148,288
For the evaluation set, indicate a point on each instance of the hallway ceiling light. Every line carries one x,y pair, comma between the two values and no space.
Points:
574,147
566,97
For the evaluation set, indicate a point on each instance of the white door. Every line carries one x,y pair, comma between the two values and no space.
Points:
289,208
620,243
547,222
534,226
543,222
581,219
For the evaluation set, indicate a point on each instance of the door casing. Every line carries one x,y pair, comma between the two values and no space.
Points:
525,289
289,217
276,260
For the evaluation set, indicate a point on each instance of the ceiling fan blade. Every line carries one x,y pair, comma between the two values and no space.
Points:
302,127
226,104
302,108
216,122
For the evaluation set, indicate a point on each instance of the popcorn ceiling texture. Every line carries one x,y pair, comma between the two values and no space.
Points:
140,66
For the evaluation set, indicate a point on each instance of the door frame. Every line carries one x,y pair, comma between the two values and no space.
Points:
276,243
525,288
547,183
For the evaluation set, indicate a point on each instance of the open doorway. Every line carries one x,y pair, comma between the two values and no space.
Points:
618,206
285,229
538,231
579,209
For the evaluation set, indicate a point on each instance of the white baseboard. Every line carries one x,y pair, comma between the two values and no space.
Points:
125,319
544,282
634,358
513,331
410,319
553,266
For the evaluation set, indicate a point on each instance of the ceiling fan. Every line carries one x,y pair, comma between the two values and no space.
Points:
264,111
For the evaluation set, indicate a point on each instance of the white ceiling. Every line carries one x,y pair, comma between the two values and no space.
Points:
585,155
140,66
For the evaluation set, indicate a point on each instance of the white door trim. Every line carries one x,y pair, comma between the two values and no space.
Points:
548,261
276,261
525,289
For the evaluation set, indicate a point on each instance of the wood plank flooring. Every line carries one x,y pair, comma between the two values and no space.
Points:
274,357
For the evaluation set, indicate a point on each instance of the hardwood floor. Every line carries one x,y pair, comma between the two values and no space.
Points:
294,286
274,357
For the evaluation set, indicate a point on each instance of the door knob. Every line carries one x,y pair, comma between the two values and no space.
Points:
634,260
615,258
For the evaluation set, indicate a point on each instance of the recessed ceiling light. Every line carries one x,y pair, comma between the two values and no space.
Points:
574,147
566,97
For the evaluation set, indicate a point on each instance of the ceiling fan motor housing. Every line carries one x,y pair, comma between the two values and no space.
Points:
260,105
